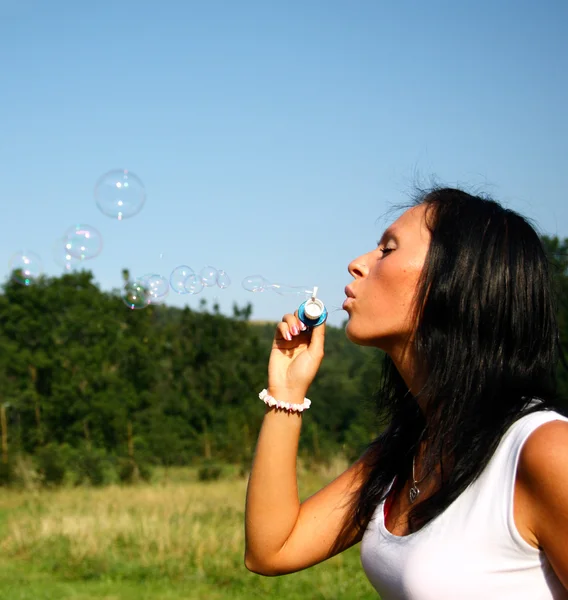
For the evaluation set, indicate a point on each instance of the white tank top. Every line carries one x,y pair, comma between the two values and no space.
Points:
472,550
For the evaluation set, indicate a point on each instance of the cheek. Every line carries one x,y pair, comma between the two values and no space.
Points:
391,288
408,297
395,296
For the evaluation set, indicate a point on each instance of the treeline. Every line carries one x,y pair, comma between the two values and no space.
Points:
91,391
91,388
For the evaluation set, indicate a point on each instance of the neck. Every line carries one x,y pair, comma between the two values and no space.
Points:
410,370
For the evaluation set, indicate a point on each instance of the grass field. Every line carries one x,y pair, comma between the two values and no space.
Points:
173,539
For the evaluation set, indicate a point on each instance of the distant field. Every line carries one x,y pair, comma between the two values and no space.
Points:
173,539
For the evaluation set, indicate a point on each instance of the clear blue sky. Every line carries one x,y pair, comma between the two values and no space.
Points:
270,135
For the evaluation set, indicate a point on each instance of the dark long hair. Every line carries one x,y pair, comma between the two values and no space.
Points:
487,337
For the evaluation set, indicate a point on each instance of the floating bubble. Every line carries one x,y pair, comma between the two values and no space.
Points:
256,283
83,242
178,278
290,290
120,194
135,295
193,284
157,287
208,276
223,280
63,258
259,283
25,267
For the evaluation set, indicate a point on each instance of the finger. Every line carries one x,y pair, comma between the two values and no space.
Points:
283,332
295,326
299,324
288,327
318,339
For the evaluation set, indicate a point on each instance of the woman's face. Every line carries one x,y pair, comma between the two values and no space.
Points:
380,299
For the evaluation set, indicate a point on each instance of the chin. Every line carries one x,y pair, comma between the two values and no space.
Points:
357,337
361,336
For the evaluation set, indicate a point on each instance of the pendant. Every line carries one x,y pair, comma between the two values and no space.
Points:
413,494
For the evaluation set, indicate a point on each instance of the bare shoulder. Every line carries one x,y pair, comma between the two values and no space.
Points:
543,475
545,453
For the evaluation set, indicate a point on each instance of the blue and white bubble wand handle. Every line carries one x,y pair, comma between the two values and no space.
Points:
312,312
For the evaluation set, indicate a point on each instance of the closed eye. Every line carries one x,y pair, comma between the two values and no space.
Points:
385,251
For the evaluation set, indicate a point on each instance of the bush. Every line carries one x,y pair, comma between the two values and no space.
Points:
26,472
209,471
54,462
7,475
94,466
131,471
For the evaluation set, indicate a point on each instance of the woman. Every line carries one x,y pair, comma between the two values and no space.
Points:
465,494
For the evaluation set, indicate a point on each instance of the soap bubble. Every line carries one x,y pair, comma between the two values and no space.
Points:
178,278
83,242
208,276
223,280
193,284
63,258
120,194
25,267
291,290
259,283
256,283
135,295
157,287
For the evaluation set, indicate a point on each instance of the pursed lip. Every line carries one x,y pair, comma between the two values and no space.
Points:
350,297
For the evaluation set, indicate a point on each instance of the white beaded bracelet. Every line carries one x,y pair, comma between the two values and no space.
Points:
289,406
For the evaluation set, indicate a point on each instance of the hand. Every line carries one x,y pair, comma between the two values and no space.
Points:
295,358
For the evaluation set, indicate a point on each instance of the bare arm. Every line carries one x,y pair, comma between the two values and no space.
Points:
543,474
283,535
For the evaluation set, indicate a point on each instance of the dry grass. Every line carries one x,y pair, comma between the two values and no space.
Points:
177,531
150,524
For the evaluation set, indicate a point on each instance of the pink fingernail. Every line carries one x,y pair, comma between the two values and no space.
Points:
295,330
302,326
288,336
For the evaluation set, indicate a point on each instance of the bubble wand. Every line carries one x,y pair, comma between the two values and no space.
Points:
312,312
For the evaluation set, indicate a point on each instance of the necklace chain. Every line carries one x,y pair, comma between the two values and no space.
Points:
414,491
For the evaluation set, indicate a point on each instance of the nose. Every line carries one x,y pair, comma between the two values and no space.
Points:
358,267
